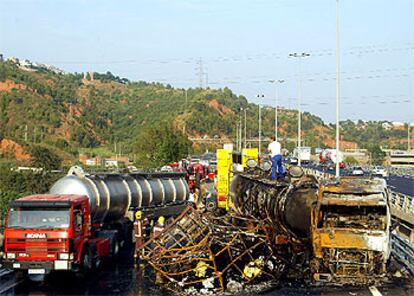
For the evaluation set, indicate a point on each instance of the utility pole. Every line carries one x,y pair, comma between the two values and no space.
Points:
245,128
25,133
237,135
240,129
200,72
408,138
185,109
260,123
299,55
206,73
337,171
276,82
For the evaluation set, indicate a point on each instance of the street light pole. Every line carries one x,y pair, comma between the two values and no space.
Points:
299,55
240,129
337,171
276,82
185,109
260,123
245,128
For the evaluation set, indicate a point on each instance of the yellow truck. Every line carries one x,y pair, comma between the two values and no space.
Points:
350,231
227,159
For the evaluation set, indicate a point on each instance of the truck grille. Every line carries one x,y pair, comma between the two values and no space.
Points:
36,246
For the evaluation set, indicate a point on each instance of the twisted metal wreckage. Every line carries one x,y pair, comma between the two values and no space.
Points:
265,236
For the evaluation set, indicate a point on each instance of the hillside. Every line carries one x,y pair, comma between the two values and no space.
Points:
68,112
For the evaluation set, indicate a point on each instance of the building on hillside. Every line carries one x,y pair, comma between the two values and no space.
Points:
114,161
14,60
386,125
361,155
398,158
397,124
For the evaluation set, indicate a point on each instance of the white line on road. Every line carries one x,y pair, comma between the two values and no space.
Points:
9,286
374,291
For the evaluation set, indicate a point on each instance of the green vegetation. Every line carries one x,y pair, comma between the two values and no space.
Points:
376,154
351,160
70,113
163,144
15,184
44,158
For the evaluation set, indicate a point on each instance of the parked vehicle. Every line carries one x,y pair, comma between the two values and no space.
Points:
302,153
293,161
357,171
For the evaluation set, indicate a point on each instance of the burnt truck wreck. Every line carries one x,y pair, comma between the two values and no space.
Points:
296,229
351,231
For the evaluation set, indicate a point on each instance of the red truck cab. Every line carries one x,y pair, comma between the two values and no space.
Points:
52,232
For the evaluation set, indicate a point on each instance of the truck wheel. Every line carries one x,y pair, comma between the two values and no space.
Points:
96,259
87,259
115,249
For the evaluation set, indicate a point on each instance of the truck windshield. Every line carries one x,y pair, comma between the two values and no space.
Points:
359,217
39,218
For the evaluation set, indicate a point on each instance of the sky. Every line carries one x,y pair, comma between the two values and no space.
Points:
242,44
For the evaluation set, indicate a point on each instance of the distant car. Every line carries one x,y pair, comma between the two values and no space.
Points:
357,171
379,171
194,159
167,169
293,161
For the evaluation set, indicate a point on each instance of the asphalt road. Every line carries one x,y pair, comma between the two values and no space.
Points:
404,185
123,279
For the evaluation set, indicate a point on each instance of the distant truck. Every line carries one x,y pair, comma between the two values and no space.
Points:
303,154
350,231
329,157
87,218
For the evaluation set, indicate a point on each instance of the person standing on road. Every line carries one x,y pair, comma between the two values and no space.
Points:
274,149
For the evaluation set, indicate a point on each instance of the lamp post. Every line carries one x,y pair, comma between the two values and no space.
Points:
245,127
276,82
337,171
185,109
260,123
240,129
299,55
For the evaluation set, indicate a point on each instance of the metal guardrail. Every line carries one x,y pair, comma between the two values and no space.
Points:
402,206
403,251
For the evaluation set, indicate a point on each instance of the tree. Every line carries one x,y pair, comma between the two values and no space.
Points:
44,158
351,160
161,144
377,155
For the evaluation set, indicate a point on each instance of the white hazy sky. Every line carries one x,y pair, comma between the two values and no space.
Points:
242,44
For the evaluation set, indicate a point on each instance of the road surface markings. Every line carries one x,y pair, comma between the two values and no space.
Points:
374,291
9,286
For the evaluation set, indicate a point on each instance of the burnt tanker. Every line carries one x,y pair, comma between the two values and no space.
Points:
286,205
112,195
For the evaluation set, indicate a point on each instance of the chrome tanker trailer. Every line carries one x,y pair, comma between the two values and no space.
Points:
86,218
113,196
